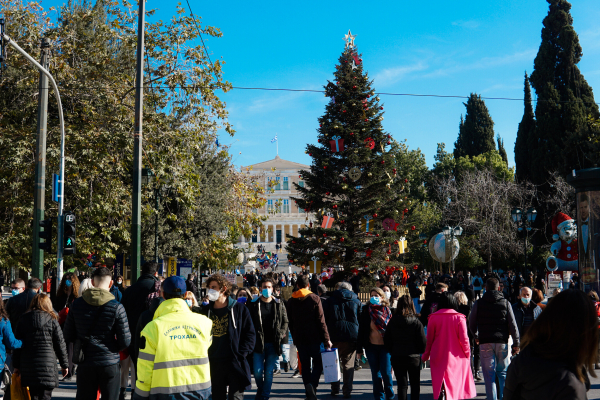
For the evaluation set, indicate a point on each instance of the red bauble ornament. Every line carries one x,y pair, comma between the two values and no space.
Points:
405,210
383,161
377,235
355,250
319,140
306,210
416,267
374,215
334,206
320,125
366,119
351,133
353,87
324,166
389,136
326,193
389,142
324,235
424,241
293,241
341,239
395,242
405,180
413,227
381,107
325,253
310,154
344,111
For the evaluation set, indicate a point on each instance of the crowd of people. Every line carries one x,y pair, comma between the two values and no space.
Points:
157,337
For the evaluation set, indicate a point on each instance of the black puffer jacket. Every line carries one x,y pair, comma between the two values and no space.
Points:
99,315
18,305
531,377
42,343
404,336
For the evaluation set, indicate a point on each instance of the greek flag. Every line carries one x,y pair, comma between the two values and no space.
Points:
274,139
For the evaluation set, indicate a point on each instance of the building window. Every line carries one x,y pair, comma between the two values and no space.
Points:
270,206
286,205
255,210
285,183
301,183
300,210
278,185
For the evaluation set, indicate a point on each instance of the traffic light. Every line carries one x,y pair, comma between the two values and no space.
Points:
46,235
69,236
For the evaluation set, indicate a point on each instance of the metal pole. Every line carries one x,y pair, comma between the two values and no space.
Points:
37,260
156,193
136,207
61,198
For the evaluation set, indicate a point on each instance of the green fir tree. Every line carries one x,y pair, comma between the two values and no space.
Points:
363,178
525,138
565,100
476,131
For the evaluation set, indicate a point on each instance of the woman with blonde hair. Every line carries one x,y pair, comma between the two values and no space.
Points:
372,324
85,285
190,299
43,341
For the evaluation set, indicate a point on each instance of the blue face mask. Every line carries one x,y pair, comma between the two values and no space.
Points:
266,293
242,300
525,300
68,283
375,300
205,303
15,292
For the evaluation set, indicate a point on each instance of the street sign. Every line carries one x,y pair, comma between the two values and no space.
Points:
55,188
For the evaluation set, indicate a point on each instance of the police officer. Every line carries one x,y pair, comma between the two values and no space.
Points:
173,354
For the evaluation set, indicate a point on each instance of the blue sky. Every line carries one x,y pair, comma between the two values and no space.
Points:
435,47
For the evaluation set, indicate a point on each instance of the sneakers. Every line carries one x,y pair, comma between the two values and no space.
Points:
285,366
122,393
296,374
478,377
277,372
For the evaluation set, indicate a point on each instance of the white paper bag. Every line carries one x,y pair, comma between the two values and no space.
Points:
331,365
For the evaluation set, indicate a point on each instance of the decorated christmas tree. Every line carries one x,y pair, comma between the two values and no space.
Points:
357,184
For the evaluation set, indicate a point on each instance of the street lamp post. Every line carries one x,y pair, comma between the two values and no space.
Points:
524,221
452,232
159,190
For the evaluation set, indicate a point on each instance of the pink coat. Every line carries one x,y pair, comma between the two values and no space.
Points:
450,355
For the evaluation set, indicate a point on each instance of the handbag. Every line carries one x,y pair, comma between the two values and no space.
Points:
18,392
78,356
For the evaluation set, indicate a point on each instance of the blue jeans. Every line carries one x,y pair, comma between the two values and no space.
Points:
263,370
381,371
495,359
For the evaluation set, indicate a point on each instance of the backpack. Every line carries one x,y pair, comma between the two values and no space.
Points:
154,294
478,282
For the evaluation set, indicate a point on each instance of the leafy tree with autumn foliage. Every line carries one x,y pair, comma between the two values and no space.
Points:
93,62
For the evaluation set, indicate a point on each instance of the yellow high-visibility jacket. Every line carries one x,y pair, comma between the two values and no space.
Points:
173,364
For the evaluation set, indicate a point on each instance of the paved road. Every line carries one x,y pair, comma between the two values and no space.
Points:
287,388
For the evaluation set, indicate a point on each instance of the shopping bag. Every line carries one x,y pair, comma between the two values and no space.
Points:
18,392
331,365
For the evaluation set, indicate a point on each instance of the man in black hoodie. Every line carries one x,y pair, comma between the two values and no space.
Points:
134,298
341,311
491,321
233,339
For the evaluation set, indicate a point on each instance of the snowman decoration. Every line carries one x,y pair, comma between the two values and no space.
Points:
564,250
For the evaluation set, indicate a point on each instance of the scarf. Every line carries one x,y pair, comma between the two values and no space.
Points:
301,293
380,315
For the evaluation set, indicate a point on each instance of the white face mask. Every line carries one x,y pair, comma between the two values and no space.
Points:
213,295
387,294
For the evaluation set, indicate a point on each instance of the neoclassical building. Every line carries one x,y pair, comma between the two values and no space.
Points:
284,217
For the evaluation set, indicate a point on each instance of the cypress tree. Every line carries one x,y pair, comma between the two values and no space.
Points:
476,131
565,100
525,138
502,150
